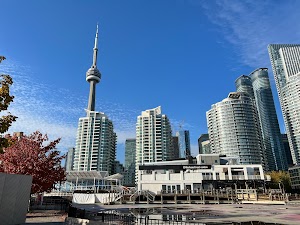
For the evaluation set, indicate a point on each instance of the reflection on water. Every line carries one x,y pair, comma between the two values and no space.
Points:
177,216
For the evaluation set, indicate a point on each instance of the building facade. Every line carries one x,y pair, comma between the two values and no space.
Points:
130,155
205,172
130,152
70,159
257,85
96,140
201,139
153,137
205,146
285,60
175,144
184,143
118,167
95,143
295,177
234,130
287,150
244,84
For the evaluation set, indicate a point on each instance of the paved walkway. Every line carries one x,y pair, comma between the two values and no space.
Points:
46,217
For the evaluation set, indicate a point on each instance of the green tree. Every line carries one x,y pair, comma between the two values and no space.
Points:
281,177
5,100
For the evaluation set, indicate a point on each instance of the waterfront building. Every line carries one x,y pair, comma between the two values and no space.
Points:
257,85
206,171
130,155
287,150
201,139
70,159
96,140
184,143
153,137
285,60
234,130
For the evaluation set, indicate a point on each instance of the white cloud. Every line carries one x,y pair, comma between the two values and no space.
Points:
56,113
251,25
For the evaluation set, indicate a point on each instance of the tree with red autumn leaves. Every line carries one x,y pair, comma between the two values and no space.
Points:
29,155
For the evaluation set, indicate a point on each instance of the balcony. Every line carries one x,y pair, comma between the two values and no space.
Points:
207,177
238,177
254,177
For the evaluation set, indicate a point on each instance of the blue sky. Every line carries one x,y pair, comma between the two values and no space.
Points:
183,55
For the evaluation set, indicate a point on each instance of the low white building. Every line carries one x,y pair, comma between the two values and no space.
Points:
202,172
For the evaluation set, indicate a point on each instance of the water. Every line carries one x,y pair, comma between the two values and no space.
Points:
172,215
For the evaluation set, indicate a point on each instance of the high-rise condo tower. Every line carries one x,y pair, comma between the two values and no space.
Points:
234,130
153,137
257,85
285,60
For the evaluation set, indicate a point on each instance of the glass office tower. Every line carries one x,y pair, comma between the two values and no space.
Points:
184,143
130,154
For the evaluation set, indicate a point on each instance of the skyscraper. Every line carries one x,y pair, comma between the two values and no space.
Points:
285,60
70,159
234,130
175,144
275,156
96,140
130,145
184,143
257,85
244,84
130,155
201,139
287,150
153,137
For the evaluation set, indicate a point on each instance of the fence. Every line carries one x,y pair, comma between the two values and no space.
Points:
49,203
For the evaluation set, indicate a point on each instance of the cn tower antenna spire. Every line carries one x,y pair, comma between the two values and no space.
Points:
96,48
93,76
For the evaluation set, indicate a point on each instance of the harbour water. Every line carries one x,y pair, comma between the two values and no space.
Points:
202,214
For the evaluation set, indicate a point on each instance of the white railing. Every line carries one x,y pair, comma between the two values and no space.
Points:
238,177
254,177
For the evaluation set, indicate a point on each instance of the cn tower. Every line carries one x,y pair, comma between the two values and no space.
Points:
93,76
90,154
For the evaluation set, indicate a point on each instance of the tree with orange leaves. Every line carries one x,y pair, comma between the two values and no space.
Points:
5,100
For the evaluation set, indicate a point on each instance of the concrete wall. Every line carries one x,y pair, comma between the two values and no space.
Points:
14,198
